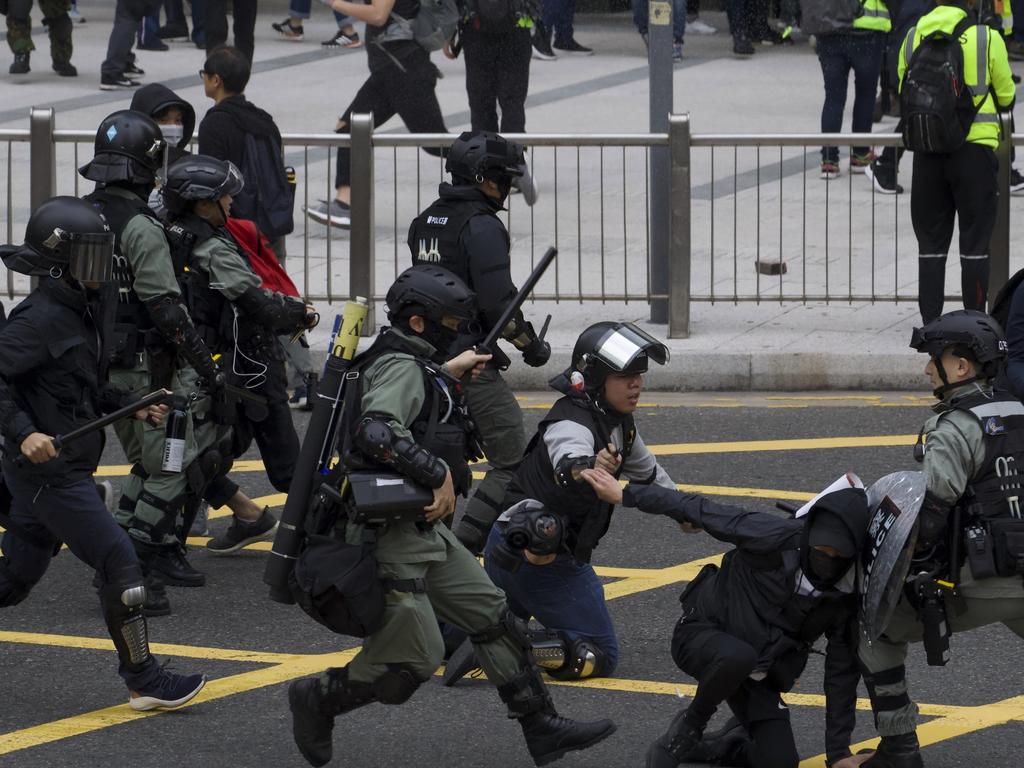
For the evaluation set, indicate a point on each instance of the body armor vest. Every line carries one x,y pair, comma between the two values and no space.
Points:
435,234
996,489
211,313
589,517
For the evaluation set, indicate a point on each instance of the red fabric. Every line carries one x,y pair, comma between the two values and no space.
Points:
262,257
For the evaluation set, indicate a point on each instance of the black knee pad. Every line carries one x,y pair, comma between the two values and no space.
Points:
123,591
510,626
583,658
396,685
13,589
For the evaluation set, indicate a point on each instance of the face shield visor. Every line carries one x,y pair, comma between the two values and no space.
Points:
627,349
90,257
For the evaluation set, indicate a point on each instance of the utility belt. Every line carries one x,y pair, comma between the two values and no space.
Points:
995,546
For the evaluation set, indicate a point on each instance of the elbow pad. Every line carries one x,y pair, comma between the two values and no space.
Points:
375,439
567,471
173,322
282,314
932,521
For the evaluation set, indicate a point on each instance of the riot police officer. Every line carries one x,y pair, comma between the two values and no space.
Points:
748,626
239,321
52,381
409,419
590,425
462,232
968,555
154,342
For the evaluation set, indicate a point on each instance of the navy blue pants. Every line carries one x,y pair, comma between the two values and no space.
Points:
565,596
558,15
75,515
838,54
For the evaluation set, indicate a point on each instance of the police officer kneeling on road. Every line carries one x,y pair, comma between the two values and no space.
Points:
461,232
969,549
539,551
53,381
404,422
748,626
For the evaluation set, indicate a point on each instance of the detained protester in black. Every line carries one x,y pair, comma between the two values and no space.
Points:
52,381
748,625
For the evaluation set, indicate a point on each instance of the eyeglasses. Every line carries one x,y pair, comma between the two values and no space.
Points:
202,73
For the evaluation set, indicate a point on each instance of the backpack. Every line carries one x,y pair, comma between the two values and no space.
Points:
826,17
261,257
936,104
432,27
267,198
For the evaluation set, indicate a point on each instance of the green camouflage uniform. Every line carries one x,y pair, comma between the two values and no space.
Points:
56,19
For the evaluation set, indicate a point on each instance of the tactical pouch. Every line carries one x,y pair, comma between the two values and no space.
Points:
1008,545
980,552
337,585
379,497
448,443
124,348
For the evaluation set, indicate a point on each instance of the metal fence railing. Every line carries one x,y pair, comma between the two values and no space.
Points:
749,220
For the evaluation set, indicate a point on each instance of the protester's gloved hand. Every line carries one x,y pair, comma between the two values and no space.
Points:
537,353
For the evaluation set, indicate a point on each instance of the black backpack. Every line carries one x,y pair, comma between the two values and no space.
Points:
936,104
267,198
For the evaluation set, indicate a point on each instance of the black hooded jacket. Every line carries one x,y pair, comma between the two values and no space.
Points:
155,98
223,129
755,594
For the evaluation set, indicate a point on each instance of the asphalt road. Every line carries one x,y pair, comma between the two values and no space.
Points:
63,704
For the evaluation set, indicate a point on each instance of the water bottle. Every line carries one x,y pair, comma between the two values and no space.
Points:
174,437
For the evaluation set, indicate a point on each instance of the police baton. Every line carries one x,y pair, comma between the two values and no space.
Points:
487,346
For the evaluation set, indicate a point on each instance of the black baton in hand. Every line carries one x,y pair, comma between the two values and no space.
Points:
487,346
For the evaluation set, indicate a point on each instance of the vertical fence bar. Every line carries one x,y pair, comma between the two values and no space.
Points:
42,155
999,260
679,204
361,251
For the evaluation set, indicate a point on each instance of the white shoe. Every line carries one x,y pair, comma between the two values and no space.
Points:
700,27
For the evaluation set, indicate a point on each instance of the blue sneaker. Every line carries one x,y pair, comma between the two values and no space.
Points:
168,691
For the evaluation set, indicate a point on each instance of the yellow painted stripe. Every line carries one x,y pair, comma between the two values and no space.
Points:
798,444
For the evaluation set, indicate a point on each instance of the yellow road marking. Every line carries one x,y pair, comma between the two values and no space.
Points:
798,444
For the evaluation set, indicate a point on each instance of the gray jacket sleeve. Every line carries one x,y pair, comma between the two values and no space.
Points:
953,453
642,467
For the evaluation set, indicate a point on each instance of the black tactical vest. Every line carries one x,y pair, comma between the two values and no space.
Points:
434,235
589,517
210,312
996,489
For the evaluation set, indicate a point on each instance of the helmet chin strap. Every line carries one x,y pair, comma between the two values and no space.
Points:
940,392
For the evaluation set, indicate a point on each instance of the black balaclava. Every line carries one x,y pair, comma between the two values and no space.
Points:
839,520
438,335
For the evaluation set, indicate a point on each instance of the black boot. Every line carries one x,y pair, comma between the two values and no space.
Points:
901,751
20,64
156,603
315,702
175,570
548,736
726,746
674,745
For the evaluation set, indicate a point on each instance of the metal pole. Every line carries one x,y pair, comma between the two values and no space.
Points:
361,240
659,40
42,156
679,227
999,248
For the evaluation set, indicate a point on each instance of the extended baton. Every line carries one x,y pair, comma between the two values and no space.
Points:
486,347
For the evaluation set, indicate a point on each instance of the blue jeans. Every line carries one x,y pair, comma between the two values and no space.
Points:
300,9
565,596
558,15
838,54
641,10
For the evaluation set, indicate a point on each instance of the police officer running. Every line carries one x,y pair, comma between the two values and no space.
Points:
52,381
409,419
551,578
239,322
152,334
748,626
969,550
462,232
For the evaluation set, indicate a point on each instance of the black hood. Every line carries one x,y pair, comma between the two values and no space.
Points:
448,191
842,517
155,97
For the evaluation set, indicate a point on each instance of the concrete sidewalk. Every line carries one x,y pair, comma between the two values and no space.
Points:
600,232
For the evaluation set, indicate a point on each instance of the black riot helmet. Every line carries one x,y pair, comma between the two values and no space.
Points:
479,155
430,292
612,347
199,177
129,147
973,334
64,236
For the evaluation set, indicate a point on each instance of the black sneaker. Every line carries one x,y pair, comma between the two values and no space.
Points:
883,178
241,533
173,31
65,69
168,691
1016,182
20,64
176,571
672,747
542,46
742,47
575,48
133,69
117,83
339,214
152,45
341,40
287,31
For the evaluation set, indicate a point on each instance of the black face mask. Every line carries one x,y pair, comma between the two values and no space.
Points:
826,570
440,338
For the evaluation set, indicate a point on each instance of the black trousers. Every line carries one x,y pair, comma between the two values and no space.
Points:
497,75
243,27
960,187
722,664
390,92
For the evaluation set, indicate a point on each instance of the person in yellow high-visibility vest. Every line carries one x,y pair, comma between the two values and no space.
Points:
960,185
860,49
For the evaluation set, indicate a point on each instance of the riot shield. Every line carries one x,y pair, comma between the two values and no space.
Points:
894,502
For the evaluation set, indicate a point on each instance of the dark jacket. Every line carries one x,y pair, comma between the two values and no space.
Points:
223,129
156,97
52,380
754,594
